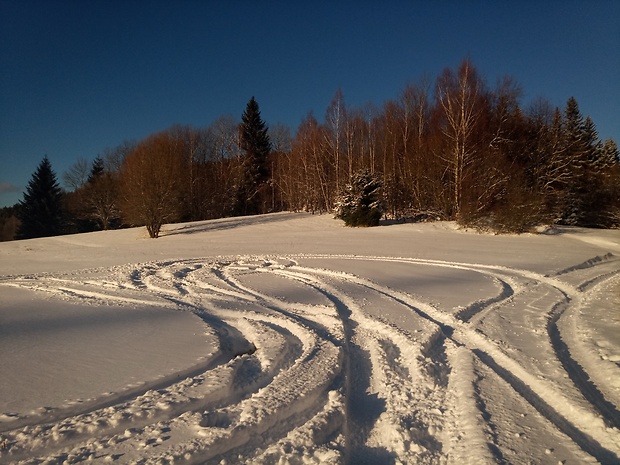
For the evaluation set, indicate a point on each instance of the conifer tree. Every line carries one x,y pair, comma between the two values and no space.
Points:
41,212
96,170
610,155
360,202
587,198
576,153
256,145
574,130
591,142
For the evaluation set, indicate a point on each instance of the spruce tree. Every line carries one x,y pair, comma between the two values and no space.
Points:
587,199
574,131
610,155
41,212
576,153
591,142
360,203
96,170
256,145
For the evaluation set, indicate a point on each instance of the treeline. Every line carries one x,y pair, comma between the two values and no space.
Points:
451,149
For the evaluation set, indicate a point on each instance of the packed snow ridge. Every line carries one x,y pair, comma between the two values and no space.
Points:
290,339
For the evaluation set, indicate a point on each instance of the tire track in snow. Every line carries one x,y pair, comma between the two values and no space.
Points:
571,296
302,402
450,328
370,361
467,442
592,278
389,415
303,387
586,429
298,394
101,428
474,310
591,272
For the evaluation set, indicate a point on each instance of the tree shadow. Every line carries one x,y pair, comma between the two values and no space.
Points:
227,224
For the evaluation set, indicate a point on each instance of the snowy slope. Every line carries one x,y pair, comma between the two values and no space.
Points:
288,338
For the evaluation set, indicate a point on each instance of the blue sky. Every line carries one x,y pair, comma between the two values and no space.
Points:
79,76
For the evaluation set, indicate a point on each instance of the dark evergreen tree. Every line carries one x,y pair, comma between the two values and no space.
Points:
96,170
610,155
41,212
256,145
592,143
587,197
576,151
360,202
574,132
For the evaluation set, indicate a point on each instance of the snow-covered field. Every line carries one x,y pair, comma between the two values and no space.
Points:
288,338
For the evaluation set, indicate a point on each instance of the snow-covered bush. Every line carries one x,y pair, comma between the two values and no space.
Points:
359,204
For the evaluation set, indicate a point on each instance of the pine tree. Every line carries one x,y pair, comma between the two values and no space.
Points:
41,212
256,145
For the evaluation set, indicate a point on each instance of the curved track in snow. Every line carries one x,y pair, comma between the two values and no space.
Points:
321,364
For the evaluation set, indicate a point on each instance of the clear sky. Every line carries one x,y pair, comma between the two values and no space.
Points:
79,76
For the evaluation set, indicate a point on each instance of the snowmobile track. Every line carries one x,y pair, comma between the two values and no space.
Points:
325,364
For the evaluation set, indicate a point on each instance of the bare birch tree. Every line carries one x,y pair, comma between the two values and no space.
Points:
335,121
459,96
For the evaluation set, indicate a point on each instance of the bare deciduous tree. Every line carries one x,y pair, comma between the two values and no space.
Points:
335,123
152,181
461,96
77,175
101,195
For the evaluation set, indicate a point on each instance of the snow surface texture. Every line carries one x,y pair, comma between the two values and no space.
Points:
289,339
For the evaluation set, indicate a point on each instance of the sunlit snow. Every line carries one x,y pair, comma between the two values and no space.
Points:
291,339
